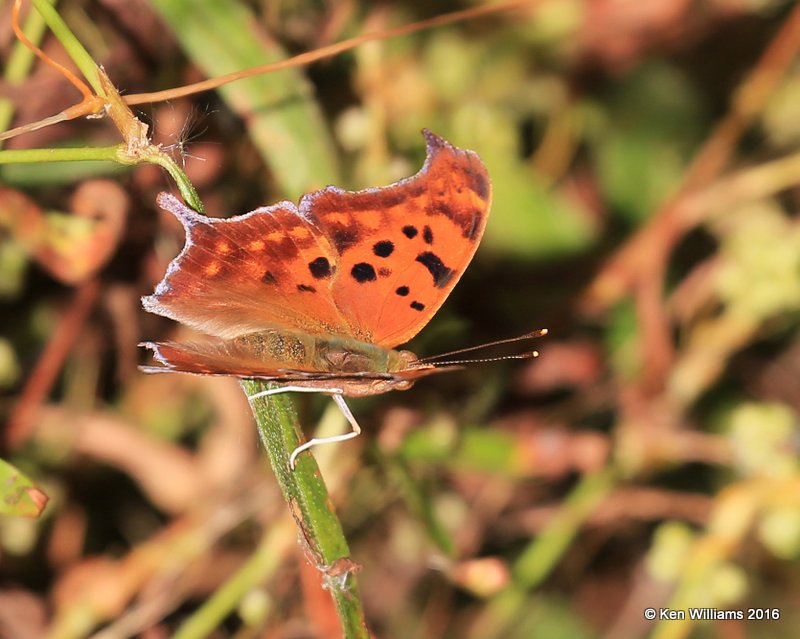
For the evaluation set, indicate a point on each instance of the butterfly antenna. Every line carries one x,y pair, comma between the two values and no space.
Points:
483,360
533,334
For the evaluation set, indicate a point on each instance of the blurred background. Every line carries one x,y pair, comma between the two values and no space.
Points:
645,158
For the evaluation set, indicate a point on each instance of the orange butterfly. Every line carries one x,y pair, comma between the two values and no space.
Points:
317,297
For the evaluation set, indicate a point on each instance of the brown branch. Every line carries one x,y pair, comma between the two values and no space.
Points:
86,92
47,368
309,57
645,253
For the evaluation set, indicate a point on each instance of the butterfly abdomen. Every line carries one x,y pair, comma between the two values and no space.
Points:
355,368
303,351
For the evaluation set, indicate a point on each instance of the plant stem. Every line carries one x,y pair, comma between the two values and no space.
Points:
110,153
186,188
304,491
262,563
79,55
19,64
541,556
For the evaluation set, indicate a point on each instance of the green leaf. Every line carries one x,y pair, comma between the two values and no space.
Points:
19,496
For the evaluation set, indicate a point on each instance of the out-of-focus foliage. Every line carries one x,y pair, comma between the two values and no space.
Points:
19,497
647,458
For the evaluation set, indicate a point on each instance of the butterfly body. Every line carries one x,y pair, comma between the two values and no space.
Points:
356,368
317,295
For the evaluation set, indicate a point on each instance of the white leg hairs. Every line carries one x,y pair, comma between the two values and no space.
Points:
336,394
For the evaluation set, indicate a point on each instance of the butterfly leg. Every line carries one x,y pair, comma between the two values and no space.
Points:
355,432
336,394
294,389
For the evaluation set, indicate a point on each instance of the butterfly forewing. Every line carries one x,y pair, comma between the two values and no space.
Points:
403,247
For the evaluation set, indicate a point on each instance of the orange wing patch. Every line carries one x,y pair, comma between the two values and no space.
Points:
249,273
373,265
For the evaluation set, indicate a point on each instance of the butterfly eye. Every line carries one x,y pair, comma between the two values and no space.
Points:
405,359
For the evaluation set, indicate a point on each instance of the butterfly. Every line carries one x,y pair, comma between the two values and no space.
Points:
316,297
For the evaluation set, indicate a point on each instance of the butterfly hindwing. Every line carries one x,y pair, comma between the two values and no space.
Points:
267,268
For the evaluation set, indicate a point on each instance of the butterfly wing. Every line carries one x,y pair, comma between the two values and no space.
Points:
373,265
268,268
402,248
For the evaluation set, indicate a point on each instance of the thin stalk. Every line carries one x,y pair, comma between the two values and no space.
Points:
542,555
258,567
75,154
79,55
20,62
186,188
544,552
117,154
305,492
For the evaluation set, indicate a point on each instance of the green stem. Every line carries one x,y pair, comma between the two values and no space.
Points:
80,56
541,556
134,133
260,565
304,491
117,154
110,153
184,185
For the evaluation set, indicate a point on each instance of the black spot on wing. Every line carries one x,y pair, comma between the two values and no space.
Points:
410,231
468,222
363,272
417,306
304,288
269,278
384,271
441,274
320,268
383,249
427,235
402,291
